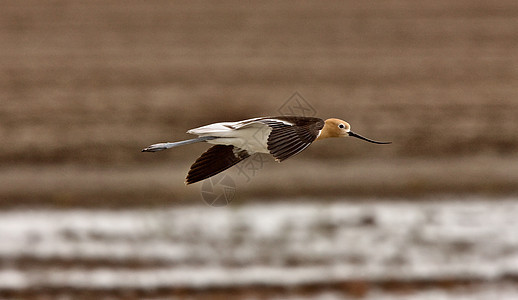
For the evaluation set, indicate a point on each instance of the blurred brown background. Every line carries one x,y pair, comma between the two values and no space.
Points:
85,85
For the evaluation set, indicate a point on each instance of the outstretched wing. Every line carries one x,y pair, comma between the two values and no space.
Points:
291,134
215,160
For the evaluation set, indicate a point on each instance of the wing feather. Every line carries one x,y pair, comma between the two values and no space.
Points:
290,135
215,160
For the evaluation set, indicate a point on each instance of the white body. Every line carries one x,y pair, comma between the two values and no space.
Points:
247,134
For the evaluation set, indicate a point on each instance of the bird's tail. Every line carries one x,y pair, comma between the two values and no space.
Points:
163,146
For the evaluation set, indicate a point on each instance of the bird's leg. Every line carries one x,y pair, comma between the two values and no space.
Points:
167,145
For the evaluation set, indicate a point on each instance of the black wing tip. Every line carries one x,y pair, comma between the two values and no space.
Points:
196,177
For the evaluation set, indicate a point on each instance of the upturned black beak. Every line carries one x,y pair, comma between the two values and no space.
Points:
366,139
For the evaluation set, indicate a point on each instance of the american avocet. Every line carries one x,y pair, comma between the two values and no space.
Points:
282,137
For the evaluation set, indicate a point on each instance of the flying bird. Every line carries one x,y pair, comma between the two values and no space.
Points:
282,137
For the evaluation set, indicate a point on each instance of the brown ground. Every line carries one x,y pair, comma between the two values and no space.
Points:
86,84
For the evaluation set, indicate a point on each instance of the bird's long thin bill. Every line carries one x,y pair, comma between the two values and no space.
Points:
366,139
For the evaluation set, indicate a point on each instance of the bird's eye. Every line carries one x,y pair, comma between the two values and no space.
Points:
341,126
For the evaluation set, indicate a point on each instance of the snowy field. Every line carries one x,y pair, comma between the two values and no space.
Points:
436,249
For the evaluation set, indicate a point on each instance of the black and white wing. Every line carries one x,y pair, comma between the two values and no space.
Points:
291,134
288,136
215,160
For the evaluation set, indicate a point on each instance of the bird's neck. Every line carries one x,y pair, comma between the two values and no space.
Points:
323,134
